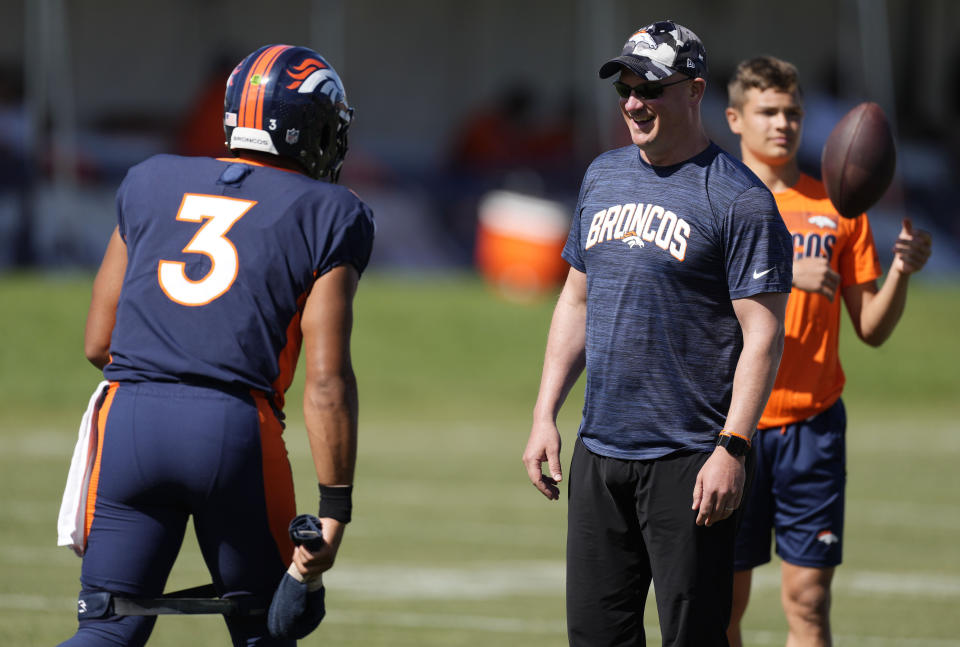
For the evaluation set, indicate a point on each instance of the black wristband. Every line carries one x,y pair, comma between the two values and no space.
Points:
336,502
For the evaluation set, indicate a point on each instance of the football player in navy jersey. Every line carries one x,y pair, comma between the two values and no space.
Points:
218,272
680,271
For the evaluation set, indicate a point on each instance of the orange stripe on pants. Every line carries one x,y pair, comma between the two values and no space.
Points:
277,478
100,420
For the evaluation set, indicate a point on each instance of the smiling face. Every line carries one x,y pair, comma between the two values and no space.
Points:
662,127
769,123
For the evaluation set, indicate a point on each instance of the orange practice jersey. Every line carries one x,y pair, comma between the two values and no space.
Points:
810,378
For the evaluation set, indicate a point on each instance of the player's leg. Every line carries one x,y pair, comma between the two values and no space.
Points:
742,581
137,527
129,553
608,573
242,521
754,534
811,477
805,594
692,565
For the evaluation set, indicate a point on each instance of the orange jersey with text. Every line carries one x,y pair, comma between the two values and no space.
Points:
810,378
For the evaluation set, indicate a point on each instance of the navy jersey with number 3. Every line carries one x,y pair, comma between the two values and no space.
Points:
221,255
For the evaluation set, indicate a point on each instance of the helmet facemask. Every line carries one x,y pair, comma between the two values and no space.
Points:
326,146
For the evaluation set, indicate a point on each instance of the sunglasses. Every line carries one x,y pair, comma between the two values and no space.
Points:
646,91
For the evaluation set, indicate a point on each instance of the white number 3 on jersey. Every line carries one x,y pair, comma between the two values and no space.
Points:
220,214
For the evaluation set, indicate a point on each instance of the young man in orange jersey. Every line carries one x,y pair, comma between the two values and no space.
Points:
799,483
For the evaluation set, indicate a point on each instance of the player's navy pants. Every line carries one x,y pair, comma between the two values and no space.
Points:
630,522
169,451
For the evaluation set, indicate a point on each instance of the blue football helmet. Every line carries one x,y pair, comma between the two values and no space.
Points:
289,101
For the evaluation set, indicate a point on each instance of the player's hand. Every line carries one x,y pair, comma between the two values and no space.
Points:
814,274
912,249
544,447
312,563
719,487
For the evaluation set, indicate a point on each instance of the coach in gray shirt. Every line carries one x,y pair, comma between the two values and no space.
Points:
674,304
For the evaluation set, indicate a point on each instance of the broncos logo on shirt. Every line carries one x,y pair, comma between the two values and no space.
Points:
636,223
822,221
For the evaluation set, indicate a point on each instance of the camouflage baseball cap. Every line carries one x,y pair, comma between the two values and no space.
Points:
660,50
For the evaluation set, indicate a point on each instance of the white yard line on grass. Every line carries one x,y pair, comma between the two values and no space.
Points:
20,602
488,581
903,514
481,582
882,514
875,583
42,443
491,580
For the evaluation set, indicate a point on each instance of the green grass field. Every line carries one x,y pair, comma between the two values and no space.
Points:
450,545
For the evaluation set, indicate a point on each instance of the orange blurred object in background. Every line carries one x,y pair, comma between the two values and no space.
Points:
519,240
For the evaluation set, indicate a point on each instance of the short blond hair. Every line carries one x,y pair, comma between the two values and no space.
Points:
762,73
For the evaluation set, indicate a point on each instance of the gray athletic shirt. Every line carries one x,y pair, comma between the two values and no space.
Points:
665,250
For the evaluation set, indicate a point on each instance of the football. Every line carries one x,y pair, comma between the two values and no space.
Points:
858,160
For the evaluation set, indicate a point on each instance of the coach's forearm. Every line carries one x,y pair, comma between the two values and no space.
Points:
565,357
761,321
752,383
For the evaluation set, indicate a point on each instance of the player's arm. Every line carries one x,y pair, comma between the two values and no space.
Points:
563,363
719,485
875,312
102,314
330,404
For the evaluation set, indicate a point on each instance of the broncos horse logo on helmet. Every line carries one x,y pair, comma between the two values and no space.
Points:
289,101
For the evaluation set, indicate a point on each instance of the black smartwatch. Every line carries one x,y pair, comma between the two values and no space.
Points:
735,445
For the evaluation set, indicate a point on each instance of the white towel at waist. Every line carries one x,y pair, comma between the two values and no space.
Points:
73,507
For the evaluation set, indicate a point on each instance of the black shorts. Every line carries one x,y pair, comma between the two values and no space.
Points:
630,523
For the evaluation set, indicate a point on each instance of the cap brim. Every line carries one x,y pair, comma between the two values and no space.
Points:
648,69
640,66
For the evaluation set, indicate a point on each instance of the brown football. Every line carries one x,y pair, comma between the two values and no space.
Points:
858,160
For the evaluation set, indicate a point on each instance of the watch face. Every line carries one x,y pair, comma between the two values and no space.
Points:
735,445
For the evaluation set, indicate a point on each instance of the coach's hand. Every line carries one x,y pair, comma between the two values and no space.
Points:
544,447
313,563
719,487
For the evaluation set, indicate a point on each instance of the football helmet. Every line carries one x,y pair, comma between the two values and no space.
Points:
289,101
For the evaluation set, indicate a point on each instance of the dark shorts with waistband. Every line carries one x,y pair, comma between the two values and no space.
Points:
797,494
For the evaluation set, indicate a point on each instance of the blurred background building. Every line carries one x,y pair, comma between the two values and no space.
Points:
453,101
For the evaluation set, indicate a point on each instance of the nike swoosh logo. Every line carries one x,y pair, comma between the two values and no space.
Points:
757,274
